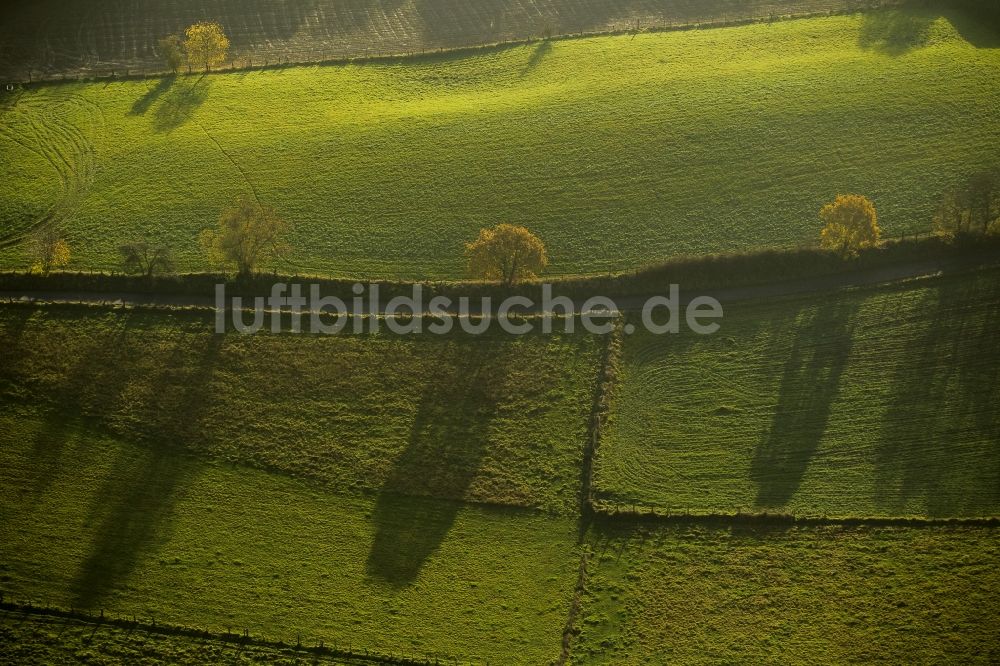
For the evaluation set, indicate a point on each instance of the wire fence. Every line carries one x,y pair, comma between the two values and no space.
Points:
342,650
276,56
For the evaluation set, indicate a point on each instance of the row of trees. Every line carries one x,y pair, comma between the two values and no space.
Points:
250,233
972,207
50,251
850,223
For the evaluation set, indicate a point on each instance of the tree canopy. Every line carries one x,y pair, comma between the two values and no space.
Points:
172,52
508,253
48,249
145,258
850,223
206,45
248,233
971,208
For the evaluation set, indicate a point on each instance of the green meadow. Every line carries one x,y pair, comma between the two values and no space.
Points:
432,496
492,418
617,151
46,34
26,639
876,402
820,595
152,532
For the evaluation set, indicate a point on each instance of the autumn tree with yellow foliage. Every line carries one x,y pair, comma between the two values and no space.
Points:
248,234
206,45
48,249
850,224
508,253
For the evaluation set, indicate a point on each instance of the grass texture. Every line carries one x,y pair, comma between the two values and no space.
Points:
491,418
827,595
880,402
51,641
99,35
151,532
616,151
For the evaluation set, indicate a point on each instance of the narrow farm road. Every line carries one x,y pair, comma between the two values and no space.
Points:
773,290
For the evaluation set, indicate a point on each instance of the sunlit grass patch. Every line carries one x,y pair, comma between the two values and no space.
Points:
616,151
878,402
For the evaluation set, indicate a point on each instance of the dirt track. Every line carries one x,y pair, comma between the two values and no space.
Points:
817,285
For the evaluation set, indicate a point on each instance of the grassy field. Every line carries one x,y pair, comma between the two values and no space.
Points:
881,402
616,150
147,531
828,595
99,35
46,641
494,418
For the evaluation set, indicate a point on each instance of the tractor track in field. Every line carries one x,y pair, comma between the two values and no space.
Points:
232,161
54,134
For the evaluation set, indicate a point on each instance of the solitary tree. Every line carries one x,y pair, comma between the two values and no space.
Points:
984,197
206,45
507,253
172,52
849,224
952,216
49,250
144,258
248,234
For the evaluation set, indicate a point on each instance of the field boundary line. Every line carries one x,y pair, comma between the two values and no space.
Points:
102,291
361,655
607,377
611,512
143,70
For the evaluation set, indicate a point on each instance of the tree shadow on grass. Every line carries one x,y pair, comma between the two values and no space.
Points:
141,105
809,385
87,393
12,326
540,51
448,439
134,502
977,21
895,32
940,436
178,104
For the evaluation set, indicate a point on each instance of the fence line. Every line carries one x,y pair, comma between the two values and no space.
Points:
613,512
141,69
360,654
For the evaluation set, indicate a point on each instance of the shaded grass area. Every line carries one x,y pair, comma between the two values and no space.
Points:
492,418
833,594
33,640
96,35
150,531
617,151
880,402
